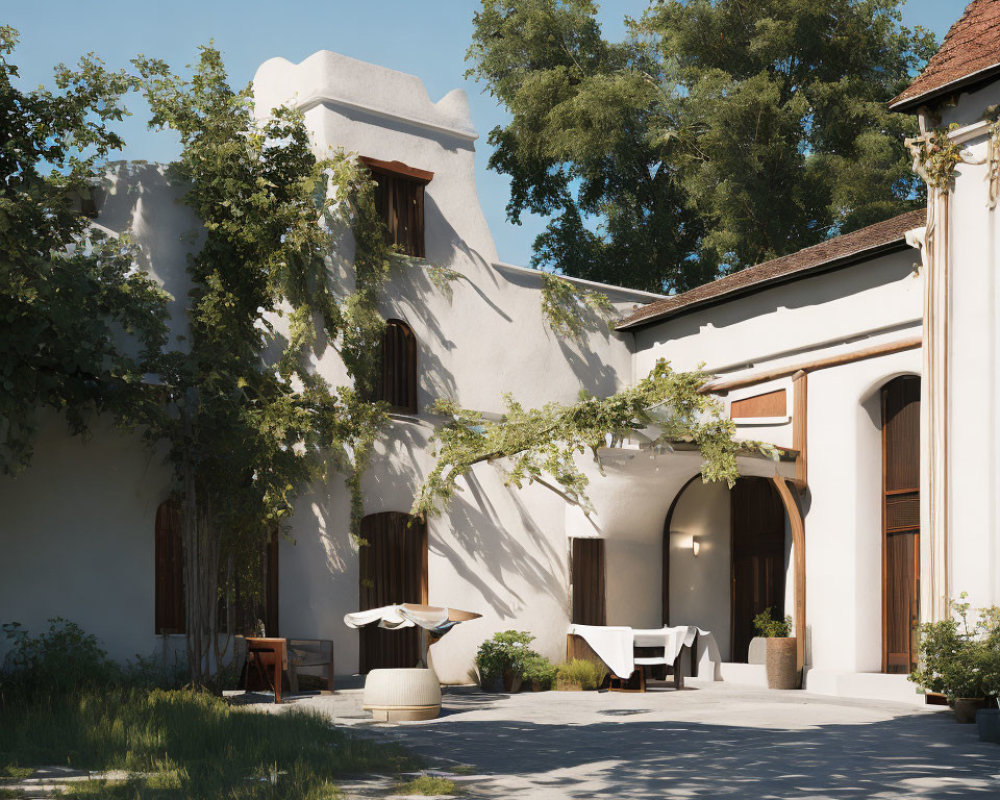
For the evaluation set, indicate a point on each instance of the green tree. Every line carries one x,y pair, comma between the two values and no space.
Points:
255,422
79,326
719,134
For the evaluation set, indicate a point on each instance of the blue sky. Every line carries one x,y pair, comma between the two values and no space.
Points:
426,38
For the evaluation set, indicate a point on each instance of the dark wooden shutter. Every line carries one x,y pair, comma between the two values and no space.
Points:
393,569
758,558
169,570
900,522
588,582
399,199
398,376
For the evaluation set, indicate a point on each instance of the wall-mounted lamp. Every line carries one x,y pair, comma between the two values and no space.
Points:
695,546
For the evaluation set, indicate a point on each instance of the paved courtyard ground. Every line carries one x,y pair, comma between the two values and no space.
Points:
708,741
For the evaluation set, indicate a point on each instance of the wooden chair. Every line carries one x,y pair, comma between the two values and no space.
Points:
266,660
305,653
650,650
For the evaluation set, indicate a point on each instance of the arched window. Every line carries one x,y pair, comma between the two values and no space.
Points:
392,569
398,377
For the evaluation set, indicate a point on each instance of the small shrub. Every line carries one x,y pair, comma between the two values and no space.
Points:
427,785
580,673
63,660
771,628
508,650
538,669
959,658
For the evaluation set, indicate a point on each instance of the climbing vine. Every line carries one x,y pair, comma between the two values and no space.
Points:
935,157
254,420
541,445
571,310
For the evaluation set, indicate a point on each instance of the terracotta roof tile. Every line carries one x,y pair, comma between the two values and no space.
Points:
972,46
848,247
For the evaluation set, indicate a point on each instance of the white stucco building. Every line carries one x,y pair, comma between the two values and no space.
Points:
878,377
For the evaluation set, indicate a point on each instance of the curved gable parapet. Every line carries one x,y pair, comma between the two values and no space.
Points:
337,80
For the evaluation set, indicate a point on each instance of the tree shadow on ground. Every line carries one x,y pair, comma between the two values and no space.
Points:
919,755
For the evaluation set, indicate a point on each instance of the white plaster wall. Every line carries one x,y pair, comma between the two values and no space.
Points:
973,438
700,592
77,536
874,302
843,515
878,297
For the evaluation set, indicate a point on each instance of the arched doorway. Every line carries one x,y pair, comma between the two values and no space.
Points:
900,522
393,569
758,558
741,563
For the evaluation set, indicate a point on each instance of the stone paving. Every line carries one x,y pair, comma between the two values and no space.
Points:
709,741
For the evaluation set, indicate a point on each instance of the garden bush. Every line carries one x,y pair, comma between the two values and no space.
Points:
959,658
506,651
539,670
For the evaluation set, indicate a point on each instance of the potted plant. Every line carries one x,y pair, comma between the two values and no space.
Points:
962,660
501,660
539,673
780,652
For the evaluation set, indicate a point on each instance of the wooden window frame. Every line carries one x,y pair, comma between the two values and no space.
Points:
397,378
397,180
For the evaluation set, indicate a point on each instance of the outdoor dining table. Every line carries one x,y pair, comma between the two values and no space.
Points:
615,645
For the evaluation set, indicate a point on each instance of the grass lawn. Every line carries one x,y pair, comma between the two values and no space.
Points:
184,744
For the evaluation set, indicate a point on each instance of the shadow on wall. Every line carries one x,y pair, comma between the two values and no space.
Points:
147,200
918,755
593,374
470,535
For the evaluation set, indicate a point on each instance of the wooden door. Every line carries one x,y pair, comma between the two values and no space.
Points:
393,570
900,523
588,576
758,558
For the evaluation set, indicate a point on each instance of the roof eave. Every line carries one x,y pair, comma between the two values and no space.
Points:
770,283
964,84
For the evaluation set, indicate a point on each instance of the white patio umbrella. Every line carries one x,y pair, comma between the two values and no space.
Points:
433,621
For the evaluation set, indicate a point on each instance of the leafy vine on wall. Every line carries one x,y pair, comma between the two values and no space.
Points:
570,310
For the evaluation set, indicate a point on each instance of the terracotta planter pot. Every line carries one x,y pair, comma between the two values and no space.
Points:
965,708
780,664
511,681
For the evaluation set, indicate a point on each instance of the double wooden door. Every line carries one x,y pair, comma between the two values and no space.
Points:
900,523
393,567
758,558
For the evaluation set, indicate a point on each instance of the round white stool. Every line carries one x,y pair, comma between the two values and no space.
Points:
402,695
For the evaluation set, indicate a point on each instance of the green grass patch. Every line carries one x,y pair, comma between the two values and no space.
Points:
427,785
190,744
17,773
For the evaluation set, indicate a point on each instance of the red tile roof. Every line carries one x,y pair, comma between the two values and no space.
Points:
970,54
839,251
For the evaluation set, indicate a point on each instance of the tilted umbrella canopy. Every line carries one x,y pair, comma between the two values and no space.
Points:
436,619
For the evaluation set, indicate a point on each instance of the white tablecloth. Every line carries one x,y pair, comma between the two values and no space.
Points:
615,645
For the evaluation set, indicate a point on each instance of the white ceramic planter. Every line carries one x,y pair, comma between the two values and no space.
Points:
401,695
